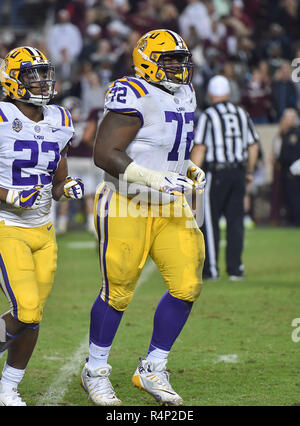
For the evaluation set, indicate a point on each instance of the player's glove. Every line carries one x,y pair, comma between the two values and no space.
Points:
28,198
73,188
197,175
172,183
295,168
168,182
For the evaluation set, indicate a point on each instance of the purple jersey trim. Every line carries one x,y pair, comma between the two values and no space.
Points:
3,116
139,83
129,111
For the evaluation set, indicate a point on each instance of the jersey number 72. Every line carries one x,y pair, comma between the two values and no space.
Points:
181,119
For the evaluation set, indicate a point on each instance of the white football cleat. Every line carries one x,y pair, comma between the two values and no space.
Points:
97,384
10,397
154,379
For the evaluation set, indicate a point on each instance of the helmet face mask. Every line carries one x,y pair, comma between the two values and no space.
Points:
162,57
27,76
177,66
39,81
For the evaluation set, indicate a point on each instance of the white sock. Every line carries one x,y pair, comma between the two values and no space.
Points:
90,219
11,376
62,223
98,356
157,355
90,225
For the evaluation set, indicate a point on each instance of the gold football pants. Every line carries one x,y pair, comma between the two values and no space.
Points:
127,233
27,266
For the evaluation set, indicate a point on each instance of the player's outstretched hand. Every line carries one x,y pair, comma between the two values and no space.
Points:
73,188
197,175
295,168
28,198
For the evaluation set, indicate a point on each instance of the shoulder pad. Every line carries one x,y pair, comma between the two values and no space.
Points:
135,85
58,116
124,96
66,120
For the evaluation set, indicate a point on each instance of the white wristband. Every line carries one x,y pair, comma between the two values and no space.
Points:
11,196
139,174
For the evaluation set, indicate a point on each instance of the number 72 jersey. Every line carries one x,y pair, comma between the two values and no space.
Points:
29,156
165,138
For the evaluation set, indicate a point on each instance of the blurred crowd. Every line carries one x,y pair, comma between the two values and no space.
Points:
90,42
252,42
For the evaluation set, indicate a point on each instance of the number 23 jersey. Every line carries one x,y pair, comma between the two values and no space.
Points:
164,141
29,156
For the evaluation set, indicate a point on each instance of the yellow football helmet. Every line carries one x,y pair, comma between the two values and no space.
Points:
24,69
151,52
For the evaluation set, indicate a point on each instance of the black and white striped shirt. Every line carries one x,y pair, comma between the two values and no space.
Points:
226,130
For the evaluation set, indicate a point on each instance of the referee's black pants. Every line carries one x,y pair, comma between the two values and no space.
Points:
224,195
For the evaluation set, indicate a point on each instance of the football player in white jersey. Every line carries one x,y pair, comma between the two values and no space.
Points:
143,144
34,139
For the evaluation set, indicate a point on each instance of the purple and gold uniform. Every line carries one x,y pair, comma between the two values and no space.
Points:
29,156
129,227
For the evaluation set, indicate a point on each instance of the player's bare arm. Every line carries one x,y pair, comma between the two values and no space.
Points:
64,185
3,194
59,179
198,154
115,133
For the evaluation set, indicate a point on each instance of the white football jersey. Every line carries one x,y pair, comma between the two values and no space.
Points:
29,156
165,138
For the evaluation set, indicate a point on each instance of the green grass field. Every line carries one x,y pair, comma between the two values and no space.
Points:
236,348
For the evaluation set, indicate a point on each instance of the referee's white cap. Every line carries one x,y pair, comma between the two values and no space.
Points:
218,86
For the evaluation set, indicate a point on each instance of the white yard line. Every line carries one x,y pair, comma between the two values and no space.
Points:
231,358
57,389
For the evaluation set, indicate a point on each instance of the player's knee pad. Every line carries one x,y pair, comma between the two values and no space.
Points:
29,310
190,293
120,301
118,289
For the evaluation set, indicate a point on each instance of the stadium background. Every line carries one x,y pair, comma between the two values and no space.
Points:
251,42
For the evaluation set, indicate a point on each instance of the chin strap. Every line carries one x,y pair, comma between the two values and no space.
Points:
170,86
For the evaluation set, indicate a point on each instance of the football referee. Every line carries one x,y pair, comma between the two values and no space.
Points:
226,147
